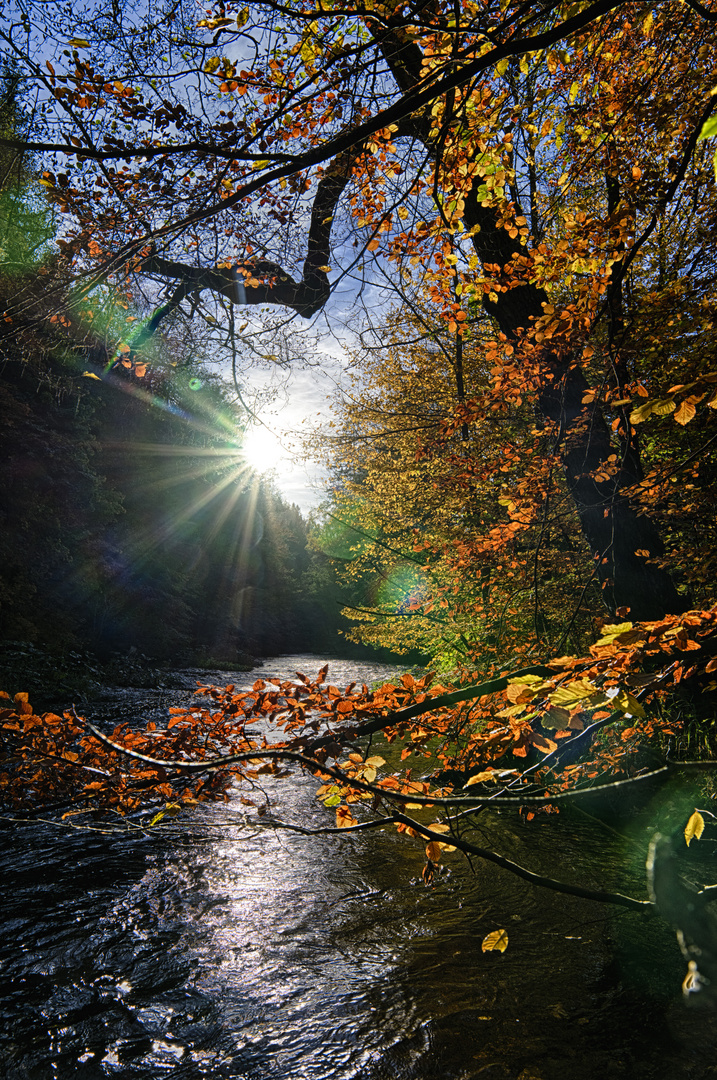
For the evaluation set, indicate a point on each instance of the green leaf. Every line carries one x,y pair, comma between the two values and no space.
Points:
709,129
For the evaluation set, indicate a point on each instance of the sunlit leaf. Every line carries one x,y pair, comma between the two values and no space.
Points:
709,128
641,413
344,818
91,375
694,827
612,631
481,777
627,703
496,941
685,413
574,692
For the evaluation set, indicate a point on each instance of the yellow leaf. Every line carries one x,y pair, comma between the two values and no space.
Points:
611,631
626,703
79,43
496,941
573,692
375,762
641,412
481,777
694,827
91,375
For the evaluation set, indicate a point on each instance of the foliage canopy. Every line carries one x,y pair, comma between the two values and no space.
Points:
526,463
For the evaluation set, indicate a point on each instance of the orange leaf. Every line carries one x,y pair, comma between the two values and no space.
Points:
344,818
685,412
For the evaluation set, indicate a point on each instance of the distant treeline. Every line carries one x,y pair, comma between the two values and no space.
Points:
127,518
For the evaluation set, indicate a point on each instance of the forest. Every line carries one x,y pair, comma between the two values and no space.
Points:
505,212
130,519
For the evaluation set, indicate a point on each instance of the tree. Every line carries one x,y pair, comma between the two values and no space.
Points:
521,170
457,537
525,159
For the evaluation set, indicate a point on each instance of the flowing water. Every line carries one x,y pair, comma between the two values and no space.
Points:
224,952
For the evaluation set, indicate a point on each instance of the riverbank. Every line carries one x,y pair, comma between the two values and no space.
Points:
52,679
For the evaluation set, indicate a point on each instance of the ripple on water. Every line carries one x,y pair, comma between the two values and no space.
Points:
273,956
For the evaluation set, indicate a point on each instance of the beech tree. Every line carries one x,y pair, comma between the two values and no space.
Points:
455,538
536,164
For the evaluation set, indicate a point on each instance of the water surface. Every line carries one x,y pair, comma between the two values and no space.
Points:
230,952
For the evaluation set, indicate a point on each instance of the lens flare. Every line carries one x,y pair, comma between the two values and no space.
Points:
261,449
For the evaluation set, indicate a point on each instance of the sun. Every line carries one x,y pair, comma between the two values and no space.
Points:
261,449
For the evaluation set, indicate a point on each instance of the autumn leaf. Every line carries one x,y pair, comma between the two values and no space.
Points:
685,413
344,818
496,941
694,827
627,703
555,719
575,691
482,777
612,631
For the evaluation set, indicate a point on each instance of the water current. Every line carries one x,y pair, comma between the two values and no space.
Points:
216,950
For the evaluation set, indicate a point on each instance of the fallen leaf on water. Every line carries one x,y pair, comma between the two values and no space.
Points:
694,827
497,940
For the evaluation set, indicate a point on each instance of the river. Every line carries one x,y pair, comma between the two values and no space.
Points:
217,951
